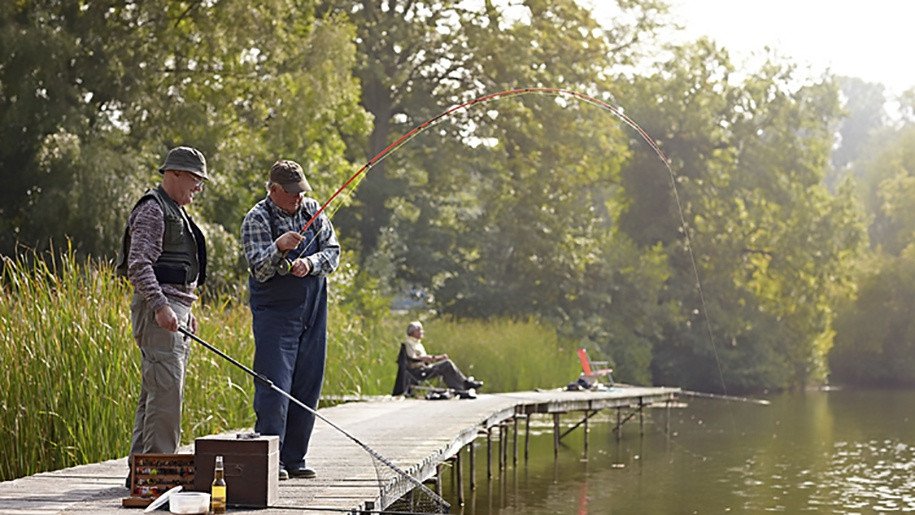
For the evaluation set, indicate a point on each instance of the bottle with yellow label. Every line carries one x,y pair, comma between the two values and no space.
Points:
218,492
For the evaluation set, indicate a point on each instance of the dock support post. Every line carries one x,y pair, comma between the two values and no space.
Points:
641,416
619,423
460,478
438,480
587,416
488,453
508,431
473,468
555,435
515,443
668,417
527,435
503,445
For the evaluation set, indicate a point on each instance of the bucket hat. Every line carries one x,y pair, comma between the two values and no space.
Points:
186,159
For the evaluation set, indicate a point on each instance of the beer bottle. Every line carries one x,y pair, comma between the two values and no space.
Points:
218,492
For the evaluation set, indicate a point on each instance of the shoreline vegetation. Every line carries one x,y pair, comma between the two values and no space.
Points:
71,374
768,247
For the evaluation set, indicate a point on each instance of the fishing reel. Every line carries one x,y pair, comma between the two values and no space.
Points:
285,267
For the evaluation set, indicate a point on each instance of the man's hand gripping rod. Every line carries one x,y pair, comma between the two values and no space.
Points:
285,266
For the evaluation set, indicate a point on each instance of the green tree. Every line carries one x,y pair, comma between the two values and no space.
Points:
62,82
886,188
865,116
875,334
408,53
416,59
107,89
772,247
907,106
509,209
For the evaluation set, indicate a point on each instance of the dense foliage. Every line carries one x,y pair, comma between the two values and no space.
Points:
93,94
875,335
771,246
732,268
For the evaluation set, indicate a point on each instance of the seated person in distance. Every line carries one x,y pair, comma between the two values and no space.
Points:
437,365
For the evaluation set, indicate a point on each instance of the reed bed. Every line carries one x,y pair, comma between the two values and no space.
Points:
508,355
71,369
69,374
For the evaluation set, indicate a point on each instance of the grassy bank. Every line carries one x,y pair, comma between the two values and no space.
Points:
70,376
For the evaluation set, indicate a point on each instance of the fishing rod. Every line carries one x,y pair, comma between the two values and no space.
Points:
362,172
267,382
554,92
406,137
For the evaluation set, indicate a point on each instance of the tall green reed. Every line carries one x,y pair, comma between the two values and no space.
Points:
508,355
70,374
71,369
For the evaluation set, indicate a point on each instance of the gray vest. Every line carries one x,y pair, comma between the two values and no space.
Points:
183,257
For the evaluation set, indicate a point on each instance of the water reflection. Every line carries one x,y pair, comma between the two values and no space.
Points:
831,452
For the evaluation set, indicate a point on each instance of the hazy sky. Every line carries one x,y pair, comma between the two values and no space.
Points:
873,39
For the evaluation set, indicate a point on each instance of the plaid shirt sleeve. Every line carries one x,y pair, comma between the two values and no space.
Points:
260,250
326,259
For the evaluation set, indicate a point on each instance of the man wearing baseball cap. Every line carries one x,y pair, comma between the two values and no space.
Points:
163,254
289,308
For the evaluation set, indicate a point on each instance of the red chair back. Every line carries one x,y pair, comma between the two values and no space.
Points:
585,362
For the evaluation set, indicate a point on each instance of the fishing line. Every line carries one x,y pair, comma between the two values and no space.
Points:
554,92
373,453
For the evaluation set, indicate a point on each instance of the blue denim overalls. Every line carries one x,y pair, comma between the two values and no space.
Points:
290,334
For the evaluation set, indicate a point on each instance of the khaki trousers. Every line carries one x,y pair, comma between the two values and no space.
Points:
157,425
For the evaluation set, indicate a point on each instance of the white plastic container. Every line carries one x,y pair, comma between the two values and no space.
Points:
189,502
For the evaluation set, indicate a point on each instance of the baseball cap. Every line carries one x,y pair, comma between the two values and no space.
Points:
290,176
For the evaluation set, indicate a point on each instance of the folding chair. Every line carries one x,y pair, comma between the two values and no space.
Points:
407,376
590,376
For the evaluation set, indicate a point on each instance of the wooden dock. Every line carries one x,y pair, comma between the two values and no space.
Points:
416,435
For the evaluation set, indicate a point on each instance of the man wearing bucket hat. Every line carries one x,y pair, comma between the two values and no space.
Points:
163,254
289,308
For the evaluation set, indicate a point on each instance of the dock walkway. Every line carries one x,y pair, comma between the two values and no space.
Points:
416,435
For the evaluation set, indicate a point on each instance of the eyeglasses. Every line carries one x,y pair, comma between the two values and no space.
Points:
198,181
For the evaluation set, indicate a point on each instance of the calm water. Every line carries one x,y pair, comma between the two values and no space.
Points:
817,452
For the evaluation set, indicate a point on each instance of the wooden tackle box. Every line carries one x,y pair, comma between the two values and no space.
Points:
252,464
151,475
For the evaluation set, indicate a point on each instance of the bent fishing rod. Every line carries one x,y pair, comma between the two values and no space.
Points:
353,181
267,382
554,92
